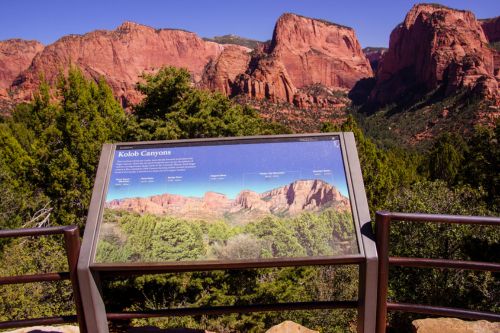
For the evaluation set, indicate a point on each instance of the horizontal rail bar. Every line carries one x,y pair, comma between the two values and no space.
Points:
38,321
34,278
443,311
444,263
35,231
121,269
217,310
442,218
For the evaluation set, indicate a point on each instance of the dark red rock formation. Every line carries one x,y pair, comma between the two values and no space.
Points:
268,79
435,47
374,54
16,56
491,28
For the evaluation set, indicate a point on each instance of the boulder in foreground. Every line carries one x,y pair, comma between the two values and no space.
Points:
453,325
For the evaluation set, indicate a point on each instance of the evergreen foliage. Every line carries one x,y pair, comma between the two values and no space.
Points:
384,171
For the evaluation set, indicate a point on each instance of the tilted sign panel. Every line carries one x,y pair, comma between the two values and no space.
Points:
224,201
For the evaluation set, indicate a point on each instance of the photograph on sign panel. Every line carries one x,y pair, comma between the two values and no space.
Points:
227,202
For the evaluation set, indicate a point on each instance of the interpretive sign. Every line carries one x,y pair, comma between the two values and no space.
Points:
227,200
228,203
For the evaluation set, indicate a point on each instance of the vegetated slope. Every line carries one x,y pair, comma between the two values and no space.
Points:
236,40
437,75
129,237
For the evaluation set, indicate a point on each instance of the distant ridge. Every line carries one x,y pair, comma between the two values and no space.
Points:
236,40
288,200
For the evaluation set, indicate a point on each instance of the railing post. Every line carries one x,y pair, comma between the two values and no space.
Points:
72,243
382,224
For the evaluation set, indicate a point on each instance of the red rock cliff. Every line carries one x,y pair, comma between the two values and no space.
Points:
122,55
435,47
303,53
491,28
317,51
16,56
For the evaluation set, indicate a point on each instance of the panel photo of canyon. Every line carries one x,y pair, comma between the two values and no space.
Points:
227,202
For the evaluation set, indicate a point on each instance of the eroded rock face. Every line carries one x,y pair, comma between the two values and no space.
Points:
304,52
220,74
304,195
121,56
453,325
15,57
316,51
491,28
267,79
435,47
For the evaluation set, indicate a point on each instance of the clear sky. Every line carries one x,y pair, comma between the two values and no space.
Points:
48,20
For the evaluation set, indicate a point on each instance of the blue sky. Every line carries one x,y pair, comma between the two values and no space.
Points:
228,169
49,20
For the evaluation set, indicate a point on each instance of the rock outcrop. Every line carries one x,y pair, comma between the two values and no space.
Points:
317,51
121,56
220,74
435,47
16,56
290,327
491,28
304,195
303,52
374,54
453,325
292,199
268,79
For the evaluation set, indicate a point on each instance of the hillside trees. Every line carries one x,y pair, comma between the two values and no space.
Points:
384,171
173,109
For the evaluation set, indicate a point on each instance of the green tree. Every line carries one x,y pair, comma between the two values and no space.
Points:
173,109
384,171
446,157
176,240
455,288
482,162
64,139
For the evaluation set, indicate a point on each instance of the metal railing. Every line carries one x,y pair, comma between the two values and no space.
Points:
72,247
382,223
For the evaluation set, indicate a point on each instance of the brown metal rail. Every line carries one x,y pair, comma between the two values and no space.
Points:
72,246
383,221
